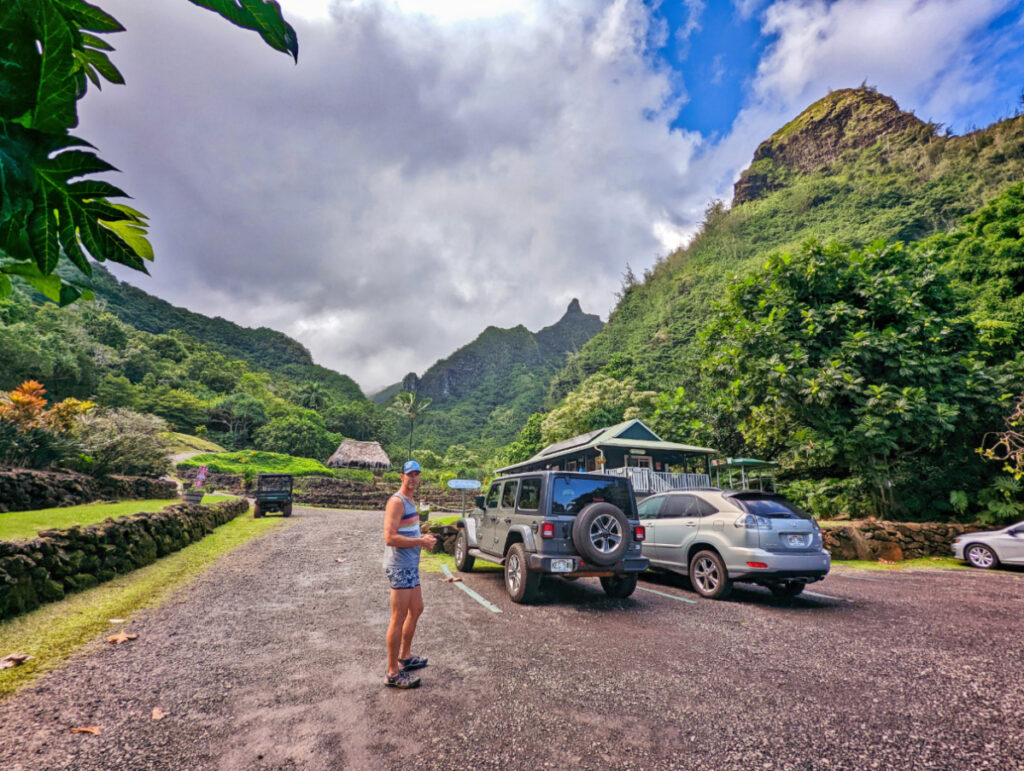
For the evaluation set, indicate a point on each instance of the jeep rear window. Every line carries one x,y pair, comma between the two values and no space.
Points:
570,494
771,506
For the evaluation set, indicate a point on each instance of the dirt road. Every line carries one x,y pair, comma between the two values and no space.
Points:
274,660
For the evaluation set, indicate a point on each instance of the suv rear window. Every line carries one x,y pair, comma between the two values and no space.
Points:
771,506
570,494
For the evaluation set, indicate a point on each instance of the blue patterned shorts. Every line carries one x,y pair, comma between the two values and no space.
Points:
403,578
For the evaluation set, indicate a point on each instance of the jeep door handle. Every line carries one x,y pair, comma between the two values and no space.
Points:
691,524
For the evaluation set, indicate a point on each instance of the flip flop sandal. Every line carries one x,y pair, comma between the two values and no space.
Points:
401,680
411,663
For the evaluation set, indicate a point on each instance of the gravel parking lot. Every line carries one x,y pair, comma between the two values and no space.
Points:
275,660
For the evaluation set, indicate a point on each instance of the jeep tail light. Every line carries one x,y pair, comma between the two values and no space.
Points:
639,533
547,529
757,564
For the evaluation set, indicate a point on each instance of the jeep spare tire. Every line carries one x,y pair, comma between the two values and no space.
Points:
601,533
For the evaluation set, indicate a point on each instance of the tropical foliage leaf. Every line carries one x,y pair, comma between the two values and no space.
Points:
263,16
51,206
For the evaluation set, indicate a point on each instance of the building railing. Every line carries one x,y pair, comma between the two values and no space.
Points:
647,481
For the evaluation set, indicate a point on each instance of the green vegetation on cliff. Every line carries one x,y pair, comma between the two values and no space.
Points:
797,326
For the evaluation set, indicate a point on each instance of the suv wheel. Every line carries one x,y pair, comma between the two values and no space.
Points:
708,576
787,589
619,587
522,585
257,512
601,533
463,560
287,509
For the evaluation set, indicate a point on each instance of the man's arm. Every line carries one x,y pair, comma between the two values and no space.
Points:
392,519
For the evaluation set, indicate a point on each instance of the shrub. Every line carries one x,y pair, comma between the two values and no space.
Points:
121,441
35,448
303,435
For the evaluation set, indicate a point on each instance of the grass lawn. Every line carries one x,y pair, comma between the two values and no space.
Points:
18,525
945,563
55,631
445,519
176,443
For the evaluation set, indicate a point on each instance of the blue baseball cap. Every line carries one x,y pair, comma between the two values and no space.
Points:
410,466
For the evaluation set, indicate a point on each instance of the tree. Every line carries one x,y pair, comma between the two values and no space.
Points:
860,364
312,396
122,442
51,207
303,435
409,406
239,413
600,401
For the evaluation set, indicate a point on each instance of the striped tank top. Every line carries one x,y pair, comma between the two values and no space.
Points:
407,556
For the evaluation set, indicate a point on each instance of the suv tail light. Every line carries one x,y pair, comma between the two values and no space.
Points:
639,533
547,529
754,522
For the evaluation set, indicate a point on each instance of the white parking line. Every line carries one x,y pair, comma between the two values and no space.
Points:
825,596
666,594
486,603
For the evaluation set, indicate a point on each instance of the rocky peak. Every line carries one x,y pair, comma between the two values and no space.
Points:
848,119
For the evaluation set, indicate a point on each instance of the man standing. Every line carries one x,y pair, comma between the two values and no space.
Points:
403,541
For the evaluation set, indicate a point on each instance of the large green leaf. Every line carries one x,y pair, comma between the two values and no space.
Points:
17,176
48,286
19,62
96,63
263,16
89,16
42,233
57,91
73,163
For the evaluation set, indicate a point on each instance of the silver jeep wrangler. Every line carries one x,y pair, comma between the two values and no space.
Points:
561,523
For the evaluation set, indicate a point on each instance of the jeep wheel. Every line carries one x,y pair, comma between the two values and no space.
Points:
463,560
286,510
787,589
708,576
601,533
522,585
619,587
257,512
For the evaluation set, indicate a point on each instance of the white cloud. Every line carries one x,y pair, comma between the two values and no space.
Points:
413,180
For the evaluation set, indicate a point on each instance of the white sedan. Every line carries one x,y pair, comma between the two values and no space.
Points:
992,547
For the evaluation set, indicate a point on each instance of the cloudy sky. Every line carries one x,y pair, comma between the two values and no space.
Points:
432,167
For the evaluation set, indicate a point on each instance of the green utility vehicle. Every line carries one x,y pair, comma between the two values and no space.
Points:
273,493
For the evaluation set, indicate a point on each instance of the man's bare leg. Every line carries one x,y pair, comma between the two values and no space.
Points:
415,608
400,601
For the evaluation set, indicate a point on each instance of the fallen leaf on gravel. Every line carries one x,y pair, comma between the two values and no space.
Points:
452,580
158,713
339,559
88,729
13,660
121,637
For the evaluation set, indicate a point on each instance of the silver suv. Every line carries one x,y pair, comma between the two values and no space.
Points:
717,537
573,525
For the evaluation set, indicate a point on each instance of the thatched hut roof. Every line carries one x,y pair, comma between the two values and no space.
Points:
353,454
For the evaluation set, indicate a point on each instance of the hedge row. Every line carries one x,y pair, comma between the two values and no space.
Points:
26,490
58,562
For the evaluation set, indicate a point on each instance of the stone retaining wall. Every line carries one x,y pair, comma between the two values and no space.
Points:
862,540
335,493
25,490
58,562
894,541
